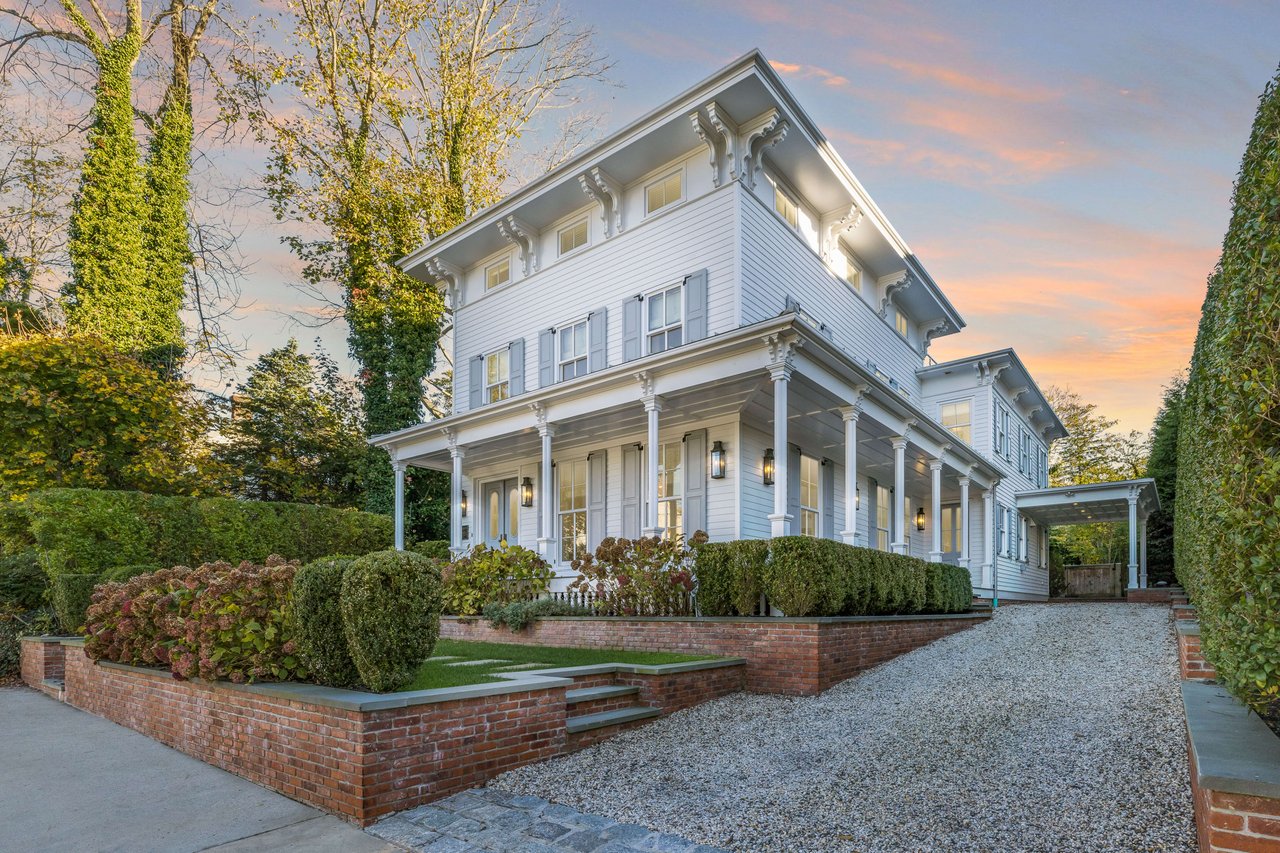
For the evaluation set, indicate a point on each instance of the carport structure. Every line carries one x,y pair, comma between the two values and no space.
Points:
1130,501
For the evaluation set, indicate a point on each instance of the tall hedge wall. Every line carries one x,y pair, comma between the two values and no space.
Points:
803,576
1227,514
87,531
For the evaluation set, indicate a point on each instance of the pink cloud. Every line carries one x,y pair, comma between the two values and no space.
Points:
828,78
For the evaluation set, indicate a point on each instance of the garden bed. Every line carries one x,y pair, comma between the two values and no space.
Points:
362,755
794,656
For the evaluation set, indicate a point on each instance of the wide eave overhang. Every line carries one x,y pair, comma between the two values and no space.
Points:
1090,503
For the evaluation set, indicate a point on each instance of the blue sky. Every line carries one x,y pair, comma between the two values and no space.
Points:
1063,170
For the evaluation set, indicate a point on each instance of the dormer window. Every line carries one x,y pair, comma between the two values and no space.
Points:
901,322
573,236
785,206
666,319
497,274
663,192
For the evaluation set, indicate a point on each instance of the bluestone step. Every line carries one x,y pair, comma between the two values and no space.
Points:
607,691
587,722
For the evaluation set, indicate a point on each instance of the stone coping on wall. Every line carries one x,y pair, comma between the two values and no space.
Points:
359,700
1234,750
758,620
1187,629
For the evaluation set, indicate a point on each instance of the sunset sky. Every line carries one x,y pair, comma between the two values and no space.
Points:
1062,170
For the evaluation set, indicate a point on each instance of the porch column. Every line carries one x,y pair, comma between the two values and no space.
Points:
935,509
900,494
779,520
546,538
1133,540
652,406
850,533
455,499
988,536
1142,552
964,522
399,468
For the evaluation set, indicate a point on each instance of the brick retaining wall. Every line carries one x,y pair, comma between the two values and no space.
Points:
357,755
799,657
42,661
1191,660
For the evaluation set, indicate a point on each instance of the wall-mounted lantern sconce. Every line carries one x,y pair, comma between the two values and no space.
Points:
717,460
526,492
920,519
857,497
462,504
768,467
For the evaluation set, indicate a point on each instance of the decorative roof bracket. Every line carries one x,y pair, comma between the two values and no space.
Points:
525,238
891,290
764,131
607,192
837,227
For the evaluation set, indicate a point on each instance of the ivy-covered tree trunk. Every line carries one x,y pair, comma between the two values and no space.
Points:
106,295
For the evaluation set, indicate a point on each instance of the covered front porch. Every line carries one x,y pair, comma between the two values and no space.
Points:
1128,502
766,431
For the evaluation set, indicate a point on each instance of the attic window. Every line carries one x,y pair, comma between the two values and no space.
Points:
497,274
663,192
785,207
573,236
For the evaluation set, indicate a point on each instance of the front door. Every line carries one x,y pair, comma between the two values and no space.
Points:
502,512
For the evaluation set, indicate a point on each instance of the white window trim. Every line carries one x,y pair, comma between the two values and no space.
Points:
900,318
648,333
676,497
644,191
781,189
561,329
511,273
957,402
875,522
851,262
561,512
564,253
816,509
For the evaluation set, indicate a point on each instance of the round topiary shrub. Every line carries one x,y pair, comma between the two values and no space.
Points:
391,615
317,612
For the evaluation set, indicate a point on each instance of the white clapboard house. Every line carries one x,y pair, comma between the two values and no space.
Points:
704,322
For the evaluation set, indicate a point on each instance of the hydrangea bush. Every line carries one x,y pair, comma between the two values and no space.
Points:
649,576
494,576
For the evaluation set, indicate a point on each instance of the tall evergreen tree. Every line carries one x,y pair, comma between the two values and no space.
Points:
1162,465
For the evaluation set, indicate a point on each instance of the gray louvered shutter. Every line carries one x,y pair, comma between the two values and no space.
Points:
995,427
476,387
997,547
695,482
828,499
793,488
516,359
695,306
631,524
597,331
546,358
597,490
632,315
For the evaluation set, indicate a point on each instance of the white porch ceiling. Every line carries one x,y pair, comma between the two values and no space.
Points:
1090,503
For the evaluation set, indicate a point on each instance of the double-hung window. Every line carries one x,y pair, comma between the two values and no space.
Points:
573,236
810,489
665,327
951,530
662,192
497,273
573,509
785,207
572,349
1024,450
497,376
671,489
884,510
1005,442
957,418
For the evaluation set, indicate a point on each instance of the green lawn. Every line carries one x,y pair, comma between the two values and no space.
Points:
438,673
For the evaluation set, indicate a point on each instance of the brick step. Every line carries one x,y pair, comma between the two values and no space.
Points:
588,722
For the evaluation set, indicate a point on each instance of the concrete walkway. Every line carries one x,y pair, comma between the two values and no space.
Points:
70,781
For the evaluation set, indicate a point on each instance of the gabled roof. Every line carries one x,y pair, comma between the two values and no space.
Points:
753,84
1004,365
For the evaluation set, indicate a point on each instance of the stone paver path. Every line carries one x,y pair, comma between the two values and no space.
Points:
490,820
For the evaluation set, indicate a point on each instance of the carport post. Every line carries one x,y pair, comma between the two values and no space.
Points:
1133,539
1142,553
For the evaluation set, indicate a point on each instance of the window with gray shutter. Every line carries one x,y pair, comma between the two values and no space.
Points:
597,331
829,499
597,490
475,388
793,488
695,306
546,358
517,367
631,491
695,482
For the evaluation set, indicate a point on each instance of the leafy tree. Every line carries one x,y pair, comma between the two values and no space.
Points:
79,413
295,431
400,121
1162,465
1226,525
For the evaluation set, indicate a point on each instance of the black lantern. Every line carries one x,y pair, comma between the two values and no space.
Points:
526,492
462,504
857,497
920,519
717,461
768,467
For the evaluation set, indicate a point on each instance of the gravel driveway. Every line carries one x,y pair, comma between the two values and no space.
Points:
1052,728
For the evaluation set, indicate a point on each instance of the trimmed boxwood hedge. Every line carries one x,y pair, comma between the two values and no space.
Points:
70,595
391,604
317,611
803,576
87,531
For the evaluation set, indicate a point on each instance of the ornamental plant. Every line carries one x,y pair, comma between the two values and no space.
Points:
494,575
139,621
317,612
391,615
649,576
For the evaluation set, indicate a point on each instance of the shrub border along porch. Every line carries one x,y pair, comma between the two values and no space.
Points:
357,755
